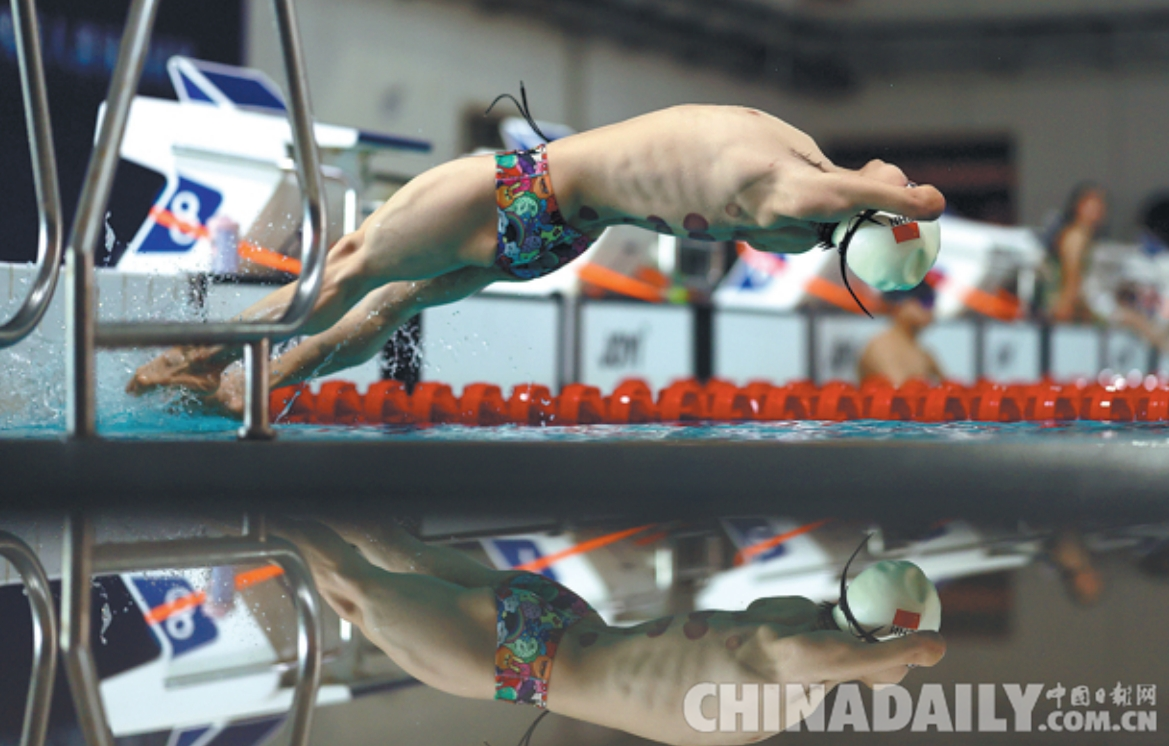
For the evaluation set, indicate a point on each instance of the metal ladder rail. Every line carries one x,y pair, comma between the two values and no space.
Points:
44,162
85,334
82,559
44,641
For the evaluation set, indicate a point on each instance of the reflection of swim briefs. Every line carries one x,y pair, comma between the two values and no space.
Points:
532,613
533,237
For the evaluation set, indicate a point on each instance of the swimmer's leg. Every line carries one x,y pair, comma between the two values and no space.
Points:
443,220
438,632
360,334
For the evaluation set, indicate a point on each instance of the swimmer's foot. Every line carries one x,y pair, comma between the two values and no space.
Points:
197,369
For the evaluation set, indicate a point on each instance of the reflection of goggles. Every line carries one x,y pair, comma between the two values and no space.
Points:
922,293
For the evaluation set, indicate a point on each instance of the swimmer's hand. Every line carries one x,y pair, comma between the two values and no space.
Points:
809,199
228,399
197,369
840,193
836,657
796,645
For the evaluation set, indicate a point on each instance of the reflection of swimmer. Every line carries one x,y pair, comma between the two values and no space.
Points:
896,353
517,636
704,172
1070,554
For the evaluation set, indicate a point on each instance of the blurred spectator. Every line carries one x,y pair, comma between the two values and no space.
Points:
1071,248
896,353
1155,222
1136,308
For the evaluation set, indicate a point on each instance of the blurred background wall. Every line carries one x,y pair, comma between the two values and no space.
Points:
1076,89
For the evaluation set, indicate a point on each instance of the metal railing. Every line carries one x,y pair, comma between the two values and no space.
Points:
44,162
82,559
44,641
85,334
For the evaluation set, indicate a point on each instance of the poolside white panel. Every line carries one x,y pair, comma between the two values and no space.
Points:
757,345
635,340
1075,352
1010,352
954,345
226,300
492,339
840,340
1125,351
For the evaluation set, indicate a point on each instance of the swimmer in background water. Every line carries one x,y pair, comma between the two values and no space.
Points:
474,632
712,173
896,353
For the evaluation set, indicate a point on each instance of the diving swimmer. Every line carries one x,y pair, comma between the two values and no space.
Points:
517,636
712,173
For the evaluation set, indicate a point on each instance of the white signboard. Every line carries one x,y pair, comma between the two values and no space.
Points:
621,340
1010,352
1126,351
492,339
1075,352
840,340
756,345
954,346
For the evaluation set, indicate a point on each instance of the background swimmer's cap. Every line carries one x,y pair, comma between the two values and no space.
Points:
890,252
890,599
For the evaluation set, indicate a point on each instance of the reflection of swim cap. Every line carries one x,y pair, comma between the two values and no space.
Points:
888,251
892,598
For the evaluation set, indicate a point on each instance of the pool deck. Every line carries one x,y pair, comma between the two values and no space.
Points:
1044,483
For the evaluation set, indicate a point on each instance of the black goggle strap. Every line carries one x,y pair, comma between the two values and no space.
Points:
842,249
861,632
523,107
527,739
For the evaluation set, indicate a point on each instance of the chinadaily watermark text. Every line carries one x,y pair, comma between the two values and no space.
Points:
958,708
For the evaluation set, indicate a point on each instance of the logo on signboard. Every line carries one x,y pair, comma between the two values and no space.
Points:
623,349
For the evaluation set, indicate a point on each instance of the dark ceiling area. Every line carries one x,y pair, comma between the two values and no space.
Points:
827,58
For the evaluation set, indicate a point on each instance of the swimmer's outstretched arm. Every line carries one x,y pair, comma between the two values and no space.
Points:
439,632
360,334
389,546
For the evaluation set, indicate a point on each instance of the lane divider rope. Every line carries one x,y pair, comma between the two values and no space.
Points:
692,401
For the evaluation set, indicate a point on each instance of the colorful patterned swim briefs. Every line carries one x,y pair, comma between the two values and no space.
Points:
534,239
532,613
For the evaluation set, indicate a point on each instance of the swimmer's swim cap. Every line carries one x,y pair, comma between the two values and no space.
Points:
888,251
892,598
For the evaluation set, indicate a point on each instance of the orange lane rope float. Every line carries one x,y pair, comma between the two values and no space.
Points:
690,401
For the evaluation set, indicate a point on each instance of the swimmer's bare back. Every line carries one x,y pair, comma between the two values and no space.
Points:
636,678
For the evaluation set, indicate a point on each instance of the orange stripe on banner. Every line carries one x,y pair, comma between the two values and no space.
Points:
247,250
747,553
258,575
269,259
1001,306
654,538
167,219
243,580
838,296
165,611
618,283
586,546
